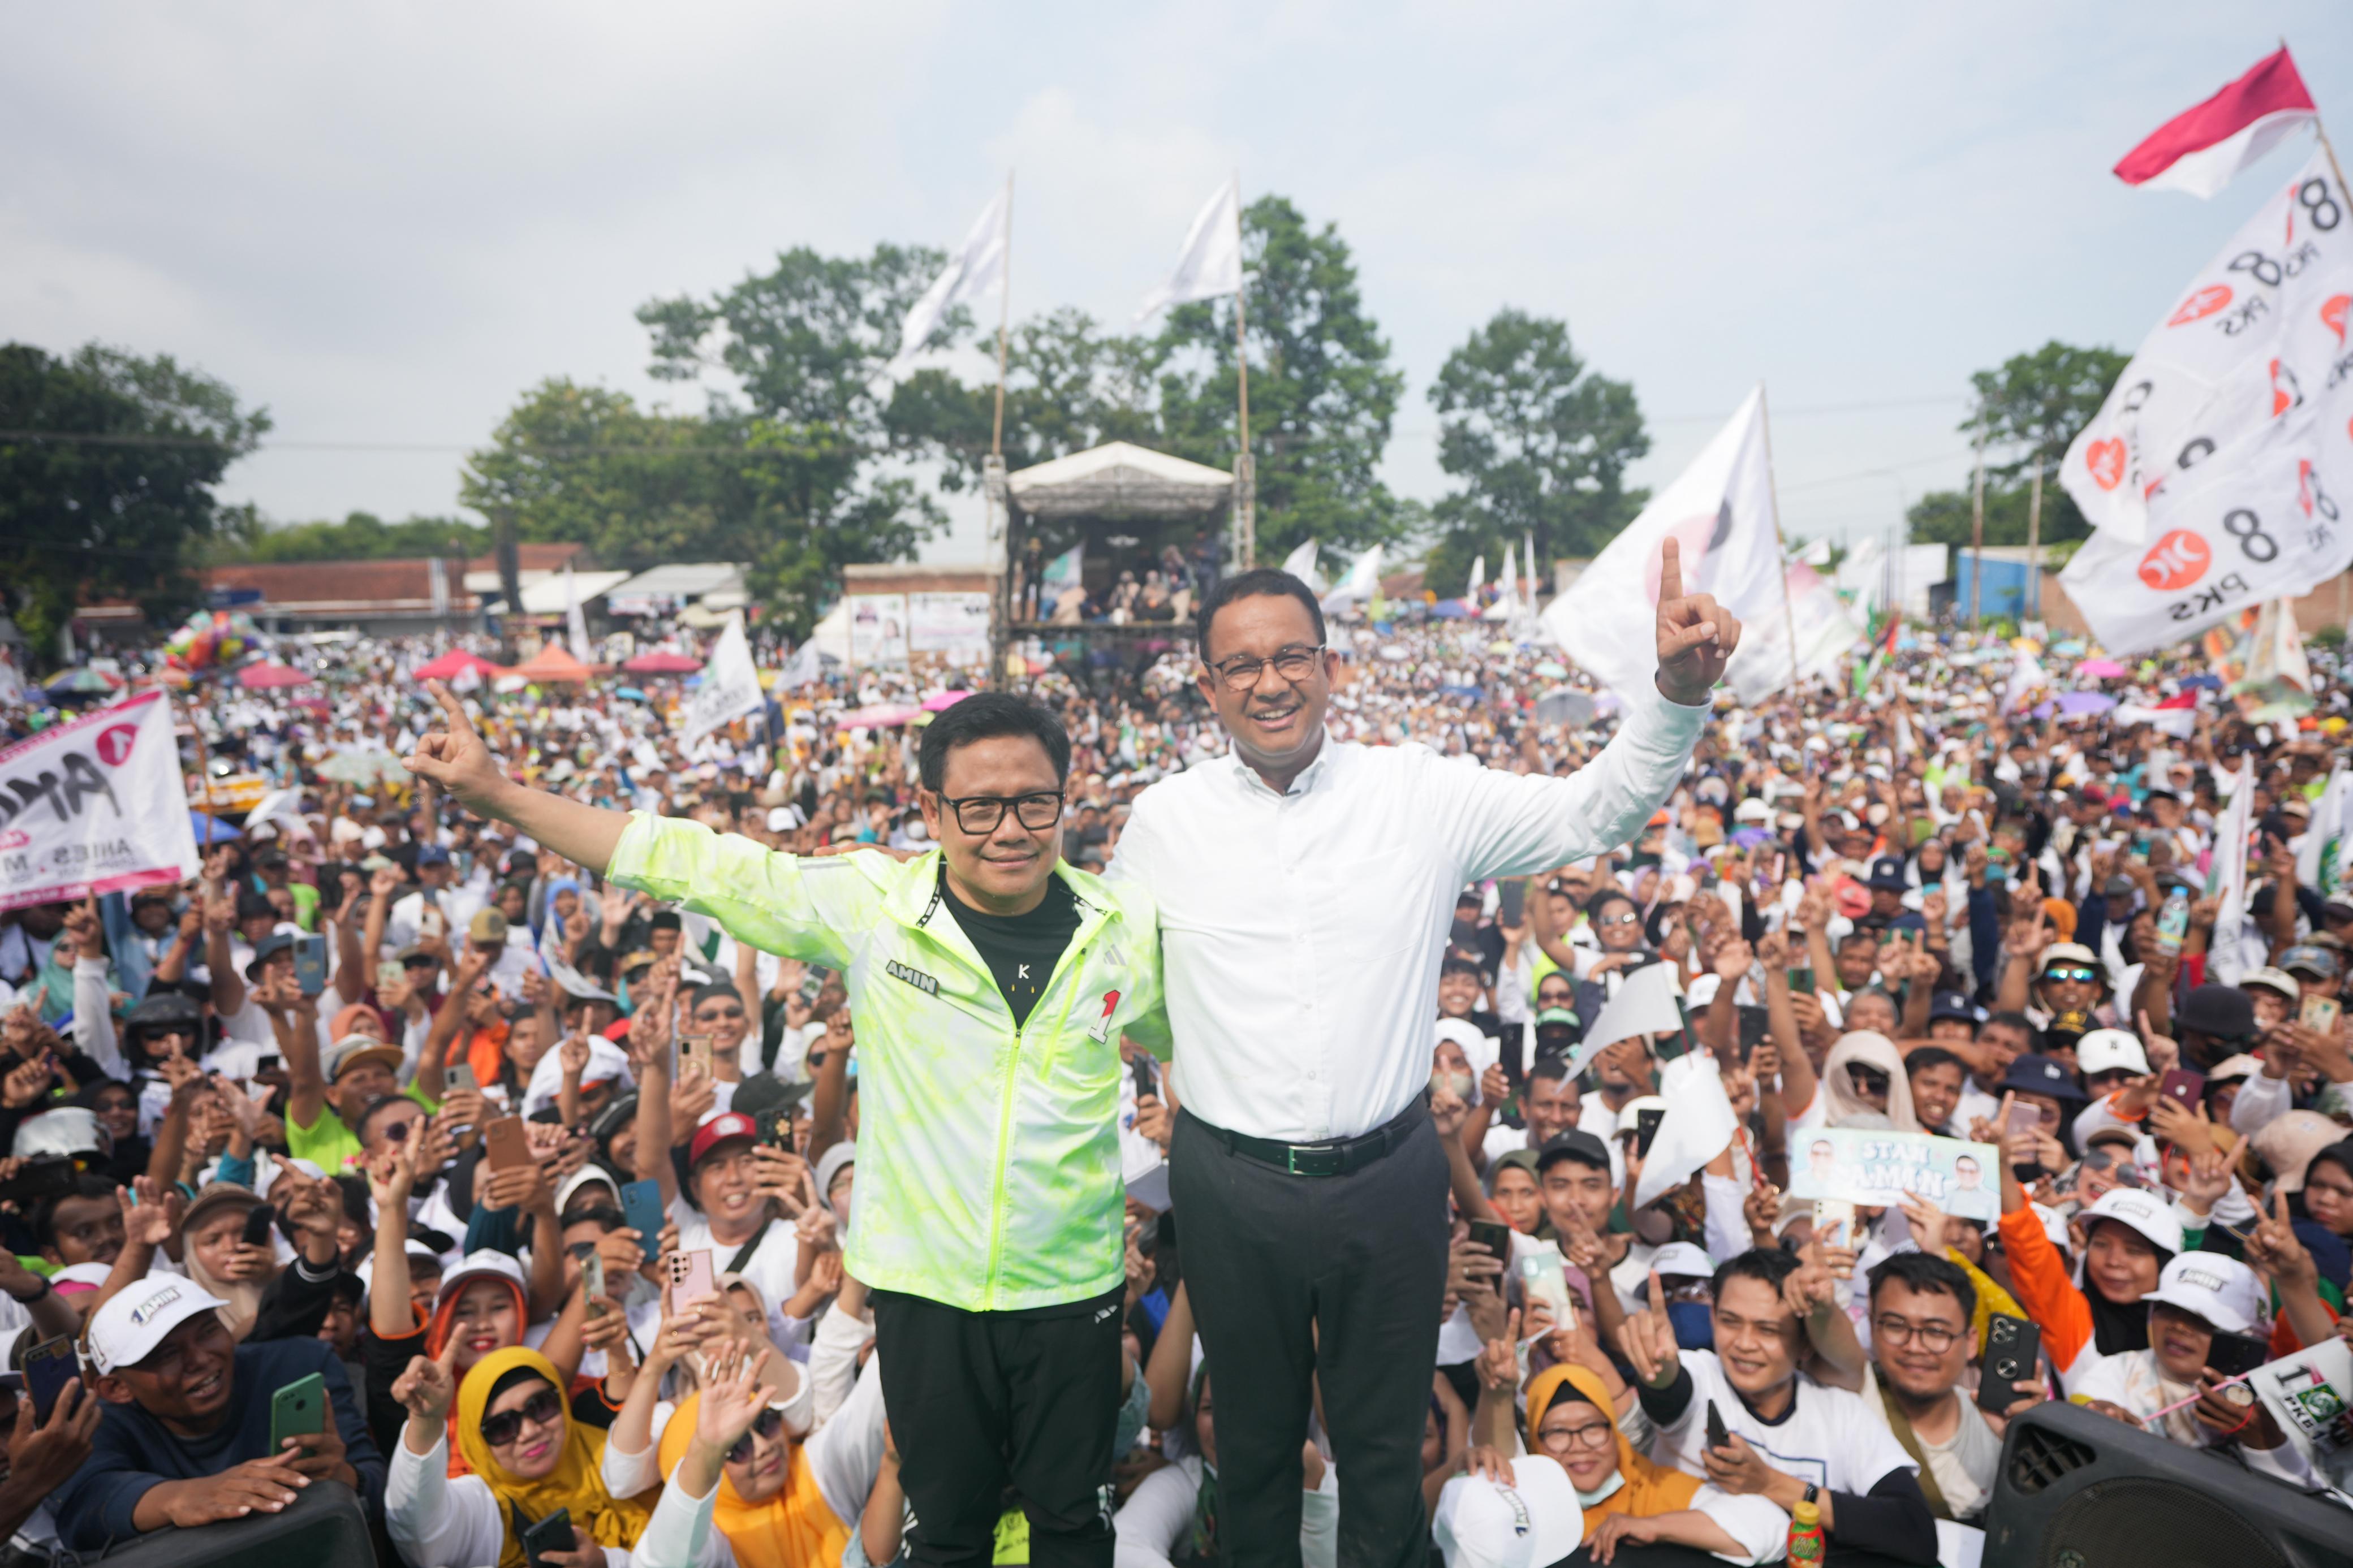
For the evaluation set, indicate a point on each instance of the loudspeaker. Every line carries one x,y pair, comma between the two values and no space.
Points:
322,1526
2077,1489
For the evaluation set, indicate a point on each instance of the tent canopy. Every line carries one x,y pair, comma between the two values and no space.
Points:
454,663
551,663
1120,479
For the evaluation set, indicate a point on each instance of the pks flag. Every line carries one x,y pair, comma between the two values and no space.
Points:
2200,148
730,685
1720,510
95,806
975,271
1210,265
2253,341
2310,1397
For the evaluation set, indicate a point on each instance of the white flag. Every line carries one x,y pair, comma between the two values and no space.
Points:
730,685
95,806
2310,1397
2255,334
1361,585
1720,510
1210,265
1478,580
806,667
2226,877
1301,562
2027,678
2320,863
1646,1004
575,625
1697,1127
975,270
1507,591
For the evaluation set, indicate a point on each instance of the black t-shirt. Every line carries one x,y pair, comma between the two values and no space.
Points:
1020,949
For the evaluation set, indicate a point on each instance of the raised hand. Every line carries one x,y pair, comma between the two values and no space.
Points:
1697,635
1648,1340
425,1389
456,759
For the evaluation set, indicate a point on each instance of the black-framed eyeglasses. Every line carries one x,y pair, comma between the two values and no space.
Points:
1934,1338
540,1409
1592,1434
982,813
767,1423
1294,664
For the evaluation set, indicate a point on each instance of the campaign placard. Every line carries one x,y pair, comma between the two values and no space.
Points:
1877,1167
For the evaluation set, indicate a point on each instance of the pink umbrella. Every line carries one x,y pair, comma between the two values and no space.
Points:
661,661
449,665
941,701
882,716
263,677
2102,670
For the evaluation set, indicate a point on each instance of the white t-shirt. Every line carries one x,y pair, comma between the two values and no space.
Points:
1828,1437
770,1267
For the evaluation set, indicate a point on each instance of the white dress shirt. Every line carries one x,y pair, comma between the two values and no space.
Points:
1300,933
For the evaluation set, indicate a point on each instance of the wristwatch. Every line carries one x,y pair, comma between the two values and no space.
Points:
1813,1492
28,1300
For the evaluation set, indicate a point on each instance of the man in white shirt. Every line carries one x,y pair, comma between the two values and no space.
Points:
1304,888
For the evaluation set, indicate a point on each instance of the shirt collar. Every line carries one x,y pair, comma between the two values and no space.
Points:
1309,776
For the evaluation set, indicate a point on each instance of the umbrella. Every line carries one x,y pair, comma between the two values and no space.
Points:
211,829
661,661
2102,670
1450,610
882,716
941,701
550,663
629,693
1552,671
2073,703
449,665
82,682
2191,682
264,677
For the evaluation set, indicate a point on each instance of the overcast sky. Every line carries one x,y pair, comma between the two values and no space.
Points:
385,222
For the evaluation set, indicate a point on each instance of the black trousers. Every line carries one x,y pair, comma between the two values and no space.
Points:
979,1401
1272,1261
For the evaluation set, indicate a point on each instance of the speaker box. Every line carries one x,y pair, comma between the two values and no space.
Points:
2080,1490
324,1527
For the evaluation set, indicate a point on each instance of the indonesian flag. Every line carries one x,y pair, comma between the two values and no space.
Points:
2200,148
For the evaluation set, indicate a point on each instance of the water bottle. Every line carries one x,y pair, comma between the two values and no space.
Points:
2173,920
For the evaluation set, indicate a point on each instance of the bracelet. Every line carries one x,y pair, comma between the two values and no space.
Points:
47,1287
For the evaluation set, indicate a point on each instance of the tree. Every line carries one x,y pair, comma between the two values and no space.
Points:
1068,386
2033,407
115,499
360,536
1540,445
1323,393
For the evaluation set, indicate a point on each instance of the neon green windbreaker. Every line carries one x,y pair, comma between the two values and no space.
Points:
988,1157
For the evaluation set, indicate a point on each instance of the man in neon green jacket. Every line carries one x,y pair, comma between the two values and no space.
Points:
991,985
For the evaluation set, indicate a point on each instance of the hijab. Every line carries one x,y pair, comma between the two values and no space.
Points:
1871,1049
794,1528
437,1337
1644,1488
576,1483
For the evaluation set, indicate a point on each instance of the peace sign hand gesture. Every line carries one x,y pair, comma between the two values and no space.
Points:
1696,634
457,760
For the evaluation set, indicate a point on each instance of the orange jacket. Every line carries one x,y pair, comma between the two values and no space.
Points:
2038,1278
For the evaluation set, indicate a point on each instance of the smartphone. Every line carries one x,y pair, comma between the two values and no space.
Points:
2183,1087
430,923
2013,1345
1718,1435
269,1063
813,979
2319,1013
550,1534
1514,1055
389,974
1495,1238
258,1219
48,1367
1646,1130
1147,1076
297,1410
774,1128
690,1278
592,1277
460,1077
641,1206
510,1148
1543,1277
311,965
1802,980
1511,903
1829,1212
2022,1118
698,1051
2235,1355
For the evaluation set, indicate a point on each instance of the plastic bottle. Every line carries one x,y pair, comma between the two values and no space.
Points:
2173,920
1806,1533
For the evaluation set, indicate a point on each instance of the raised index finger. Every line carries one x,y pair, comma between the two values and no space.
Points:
1671,570
454,710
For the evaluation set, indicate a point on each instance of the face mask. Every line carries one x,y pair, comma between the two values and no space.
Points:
1693,1323
917,832
1609,1488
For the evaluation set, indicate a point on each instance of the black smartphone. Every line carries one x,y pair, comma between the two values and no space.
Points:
552,1533
2235,1355
269,1063
48,1367
1512,902
774,1128
1147,1076
813,979
1717,1435
2013,1345
1646,1129
258,1221
1514,1055
1495,1238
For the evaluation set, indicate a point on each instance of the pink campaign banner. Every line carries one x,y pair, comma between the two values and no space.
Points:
94,806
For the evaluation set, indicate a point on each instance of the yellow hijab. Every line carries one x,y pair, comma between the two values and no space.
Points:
576,1483
795,1529
1649,1489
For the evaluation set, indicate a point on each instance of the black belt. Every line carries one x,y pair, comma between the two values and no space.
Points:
1333,1157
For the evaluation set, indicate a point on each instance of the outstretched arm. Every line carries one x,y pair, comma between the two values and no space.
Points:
457,760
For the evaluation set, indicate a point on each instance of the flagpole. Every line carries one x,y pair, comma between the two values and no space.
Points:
1004,319
1977,528
1780,542
2034,540
1245,475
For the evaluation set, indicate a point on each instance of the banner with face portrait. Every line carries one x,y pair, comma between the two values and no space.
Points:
1877,1167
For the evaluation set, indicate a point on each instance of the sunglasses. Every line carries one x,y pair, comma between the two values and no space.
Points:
2071,971
1627,918
504,1427
767,1423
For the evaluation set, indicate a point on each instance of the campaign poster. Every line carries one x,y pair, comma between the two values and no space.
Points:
1875,1167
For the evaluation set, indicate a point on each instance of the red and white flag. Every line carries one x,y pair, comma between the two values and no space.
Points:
2199,150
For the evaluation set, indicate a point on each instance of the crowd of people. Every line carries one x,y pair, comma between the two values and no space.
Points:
541,1167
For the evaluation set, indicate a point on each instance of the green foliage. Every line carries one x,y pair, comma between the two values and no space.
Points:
1068,386
1942,517
360,536
1540,447
129,514
2035,403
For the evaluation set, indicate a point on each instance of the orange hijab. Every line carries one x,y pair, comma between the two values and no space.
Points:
795,1529
1649,1489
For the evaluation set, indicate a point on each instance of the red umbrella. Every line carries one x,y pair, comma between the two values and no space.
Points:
448,666
661,661
262,677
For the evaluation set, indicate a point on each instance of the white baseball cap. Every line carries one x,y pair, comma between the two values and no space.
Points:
2150,1215
2107,1050
1531,1521
2221,1290
1681,1260
480,1263
126,1331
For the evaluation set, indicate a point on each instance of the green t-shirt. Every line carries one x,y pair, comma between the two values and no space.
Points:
331,1145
